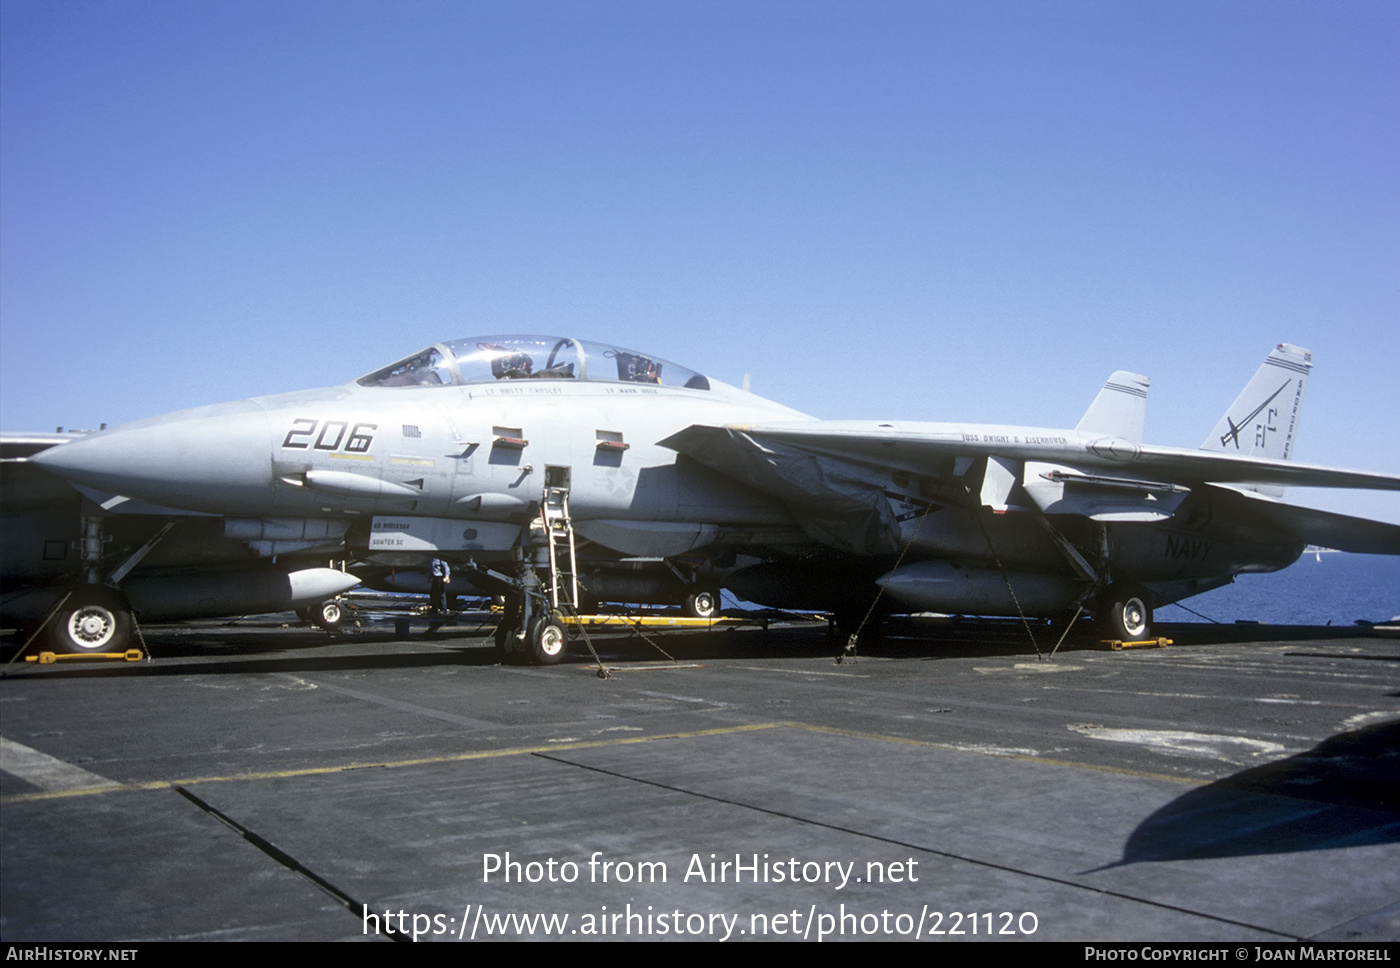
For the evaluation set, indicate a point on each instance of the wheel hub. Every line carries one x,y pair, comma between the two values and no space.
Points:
92,626
552,641
1135,617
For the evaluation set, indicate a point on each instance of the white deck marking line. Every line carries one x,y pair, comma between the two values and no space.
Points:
47,772
550,748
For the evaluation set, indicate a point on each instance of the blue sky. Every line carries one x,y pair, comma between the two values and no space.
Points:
924,211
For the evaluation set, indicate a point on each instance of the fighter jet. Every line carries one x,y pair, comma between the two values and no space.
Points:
557,473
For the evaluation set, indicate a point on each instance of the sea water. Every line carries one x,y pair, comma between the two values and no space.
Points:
1321,588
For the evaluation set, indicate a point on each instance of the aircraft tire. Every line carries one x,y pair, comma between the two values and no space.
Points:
94,619
702,604
547,641
1128,613
329,615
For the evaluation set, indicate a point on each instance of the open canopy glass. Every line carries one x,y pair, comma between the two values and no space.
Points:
484,359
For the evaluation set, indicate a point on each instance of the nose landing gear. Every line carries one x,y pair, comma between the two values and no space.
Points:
93,619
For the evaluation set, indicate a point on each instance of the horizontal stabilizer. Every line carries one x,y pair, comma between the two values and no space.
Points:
1327,529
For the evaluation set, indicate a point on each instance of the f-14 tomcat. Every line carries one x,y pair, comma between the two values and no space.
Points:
559,472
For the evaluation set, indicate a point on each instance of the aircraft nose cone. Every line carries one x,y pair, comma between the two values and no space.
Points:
214,459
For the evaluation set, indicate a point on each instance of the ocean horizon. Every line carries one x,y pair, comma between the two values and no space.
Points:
1320,588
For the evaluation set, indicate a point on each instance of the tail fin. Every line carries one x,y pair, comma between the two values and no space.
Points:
1120,409
1264,417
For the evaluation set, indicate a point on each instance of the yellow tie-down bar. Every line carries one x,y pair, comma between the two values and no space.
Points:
651,621
48,658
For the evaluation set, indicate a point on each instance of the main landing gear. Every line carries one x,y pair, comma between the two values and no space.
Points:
329,615
542,585
703,603
1123,609
1125,613
545,640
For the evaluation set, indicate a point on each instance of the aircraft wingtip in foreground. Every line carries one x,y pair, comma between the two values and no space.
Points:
558,473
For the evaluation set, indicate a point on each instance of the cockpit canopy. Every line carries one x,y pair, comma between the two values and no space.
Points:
485,359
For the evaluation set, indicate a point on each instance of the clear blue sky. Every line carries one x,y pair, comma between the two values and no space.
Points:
918,210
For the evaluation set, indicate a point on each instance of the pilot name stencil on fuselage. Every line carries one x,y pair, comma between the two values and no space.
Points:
527,391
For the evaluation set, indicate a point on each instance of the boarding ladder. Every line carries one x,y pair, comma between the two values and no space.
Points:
563,563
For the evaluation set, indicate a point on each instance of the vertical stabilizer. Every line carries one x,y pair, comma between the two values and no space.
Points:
1120,409
1263,420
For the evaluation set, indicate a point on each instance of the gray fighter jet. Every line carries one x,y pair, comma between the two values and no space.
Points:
557,473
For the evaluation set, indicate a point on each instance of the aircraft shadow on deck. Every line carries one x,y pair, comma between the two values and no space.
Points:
1344,792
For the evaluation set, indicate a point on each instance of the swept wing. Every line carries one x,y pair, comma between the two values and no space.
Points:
830,472
915,447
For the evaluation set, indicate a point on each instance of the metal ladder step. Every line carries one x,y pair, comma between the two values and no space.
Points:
563,561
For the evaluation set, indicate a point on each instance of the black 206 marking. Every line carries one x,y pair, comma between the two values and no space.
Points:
332,437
